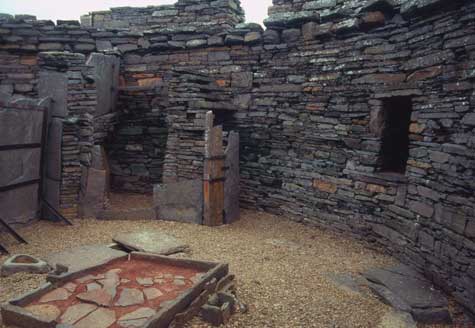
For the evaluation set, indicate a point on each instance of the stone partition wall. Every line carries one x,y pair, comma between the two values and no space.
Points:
68,81
317,94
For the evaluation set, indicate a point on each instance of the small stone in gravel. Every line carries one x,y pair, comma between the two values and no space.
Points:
124,281
59,294
180,277
76,312
145,281
130,296
168,276
152,293
136,318
98,296
45,312
101,318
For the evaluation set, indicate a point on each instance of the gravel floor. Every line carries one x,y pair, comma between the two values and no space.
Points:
282,267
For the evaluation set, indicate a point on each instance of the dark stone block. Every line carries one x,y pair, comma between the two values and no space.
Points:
53,149
231,184
19,205
20,127
106,76
54,85
19,166
180,201
408,291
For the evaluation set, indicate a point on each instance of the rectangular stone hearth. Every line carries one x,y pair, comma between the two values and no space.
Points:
135,290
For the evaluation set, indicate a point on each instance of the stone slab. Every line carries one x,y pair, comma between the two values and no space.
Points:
84,256
19,205
231,184
53,149
179,201
130,296
150,242
95,195
106,75
20,126
406,290
100,318
55,86
19,165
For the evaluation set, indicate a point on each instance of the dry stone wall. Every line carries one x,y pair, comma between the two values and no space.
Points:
311,93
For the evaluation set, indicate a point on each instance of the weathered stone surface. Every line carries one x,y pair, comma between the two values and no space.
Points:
101,297
136,318
19,166
59,294
408,291
106,76
54,85
95,193
152,293
100,318
130,296
84,256
20,126
76,312
231,184
53,150
23,263
181,201
46,312
150,242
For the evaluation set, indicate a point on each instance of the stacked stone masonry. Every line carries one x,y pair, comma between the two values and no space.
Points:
307,98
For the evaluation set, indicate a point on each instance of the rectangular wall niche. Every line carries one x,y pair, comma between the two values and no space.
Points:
395,135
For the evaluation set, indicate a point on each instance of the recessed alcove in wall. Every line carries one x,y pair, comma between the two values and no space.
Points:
396,118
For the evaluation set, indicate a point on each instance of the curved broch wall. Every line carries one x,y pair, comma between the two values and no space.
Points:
312,91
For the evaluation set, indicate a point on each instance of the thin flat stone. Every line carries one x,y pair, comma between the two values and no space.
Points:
76,312
70,287
93,286
136,319
98,296
152,293
101,318
150,242
46,312
59,294
145,281
130,296
84,257
179,282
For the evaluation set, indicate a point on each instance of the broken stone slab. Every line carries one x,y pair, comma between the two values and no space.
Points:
76,312
130,296
84,256
46,312
59,294
100,318
24,263
406,290
137,318
99,297
150,242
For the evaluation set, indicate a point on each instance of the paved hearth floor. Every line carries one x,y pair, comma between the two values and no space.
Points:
285,271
